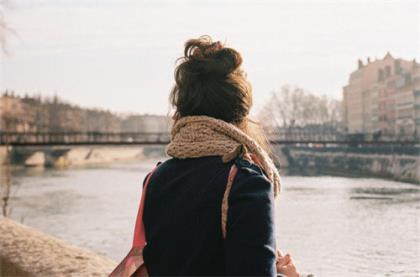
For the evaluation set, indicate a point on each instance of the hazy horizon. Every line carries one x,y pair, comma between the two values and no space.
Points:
120,54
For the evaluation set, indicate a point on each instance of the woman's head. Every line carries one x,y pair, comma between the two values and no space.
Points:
209,81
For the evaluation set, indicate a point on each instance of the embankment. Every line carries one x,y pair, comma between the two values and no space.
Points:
400,163
27,252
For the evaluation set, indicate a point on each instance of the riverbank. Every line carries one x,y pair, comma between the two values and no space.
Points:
25,251
400,163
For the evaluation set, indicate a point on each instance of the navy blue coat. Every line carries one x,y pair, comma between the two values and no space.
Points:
182,218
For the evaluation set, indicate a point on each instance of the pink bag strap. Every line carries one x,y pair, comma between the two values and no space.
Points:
225,201
139,231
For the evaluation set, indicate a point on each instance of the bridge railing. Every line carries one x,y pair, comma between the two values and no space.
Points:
56,138
126,138
305,136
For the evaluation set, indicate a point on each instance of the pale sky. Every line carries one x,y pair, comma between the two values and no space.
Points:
120,54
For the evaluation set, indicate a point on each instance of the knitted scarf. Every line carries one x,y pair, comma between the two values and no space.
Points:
200,136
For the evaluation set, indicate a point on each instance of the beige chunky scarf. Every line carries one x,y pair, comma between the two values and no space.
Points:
200,136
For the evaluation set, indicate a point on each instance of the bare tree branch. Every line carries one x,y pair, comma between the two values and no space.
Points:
293,107
4,28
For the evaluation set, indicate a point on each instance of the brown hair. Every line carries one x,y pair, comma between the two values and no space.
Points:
209,81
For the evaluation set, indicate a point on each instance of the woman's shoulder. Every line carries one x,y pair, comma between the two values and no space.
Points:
245,167
177,163
249,174
249,167
250,179
175,167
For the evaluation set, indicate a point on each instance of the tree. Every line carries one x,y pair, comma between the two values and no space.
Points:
293,107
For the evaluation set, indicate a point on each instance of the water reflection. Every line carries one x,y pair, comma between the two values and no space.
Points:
397,195
387,191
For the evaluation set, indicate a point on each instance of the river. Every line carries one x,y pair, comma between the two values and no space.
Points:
333,226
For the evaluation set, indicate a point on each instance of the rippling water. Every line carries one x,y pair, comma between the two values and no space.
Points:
332,226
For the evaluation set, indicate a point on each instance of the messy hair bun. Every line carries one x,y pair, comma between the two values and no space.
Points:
209,81
204,57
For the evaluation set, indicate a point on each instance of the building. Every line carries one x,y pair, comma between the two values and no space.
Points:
14,115
146,124
382,98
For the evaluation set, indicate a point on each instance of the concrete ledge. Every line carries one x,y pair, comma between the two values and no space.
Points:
25,251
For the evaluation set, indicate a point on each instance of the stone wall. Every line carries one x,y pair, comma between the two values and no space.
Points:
400,163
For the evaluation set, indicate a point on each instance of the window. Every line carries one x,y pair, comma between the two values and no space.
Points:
407,78
397,66
400,82
388,71
380,75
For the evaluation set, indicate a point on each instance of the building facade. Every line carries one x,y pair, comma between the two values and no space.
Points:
15,116
382,98
146,123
